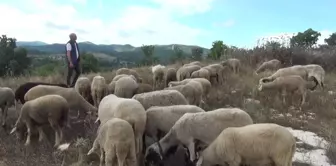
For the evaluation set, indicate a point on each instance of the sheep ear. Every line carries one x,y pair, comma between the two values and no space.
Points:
13,130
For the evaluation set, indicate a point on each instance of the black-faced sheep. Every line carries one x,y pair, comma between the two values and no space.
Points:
170,76
316,71
48,109
115,139
158,72
7,100
24,88
185,72
273,64
255,144
161,98
125,87
129,72
203,127
233,63
83,87
98,89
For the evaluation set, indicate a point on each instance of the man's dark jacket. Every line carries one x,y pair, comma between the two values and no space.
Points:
73,53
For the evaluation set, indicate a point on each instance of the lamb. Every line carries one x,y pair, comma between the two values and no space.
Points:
192,91
290,83
216,71
98,89
129,72
158,72
316,71
201,127
143,88
24,88
115,139
127,109
161,98
273,64
48,109
198,63
232,63
185,72
201,73
125,87
83,87
293,70
170,76
256,144
7,99
206,84
160,119
74,99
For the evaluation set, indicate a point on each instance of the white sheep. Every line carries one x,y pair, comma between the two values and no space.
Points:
98,89
143,88
83,87
117,77
232,63
7,99
185,72
128,109
316,71
161,98
48,109
201,73
255,144
170,75
273,64
201,127
158,72
192,91
160,119
292,70
129,72
75,100
125,87
198,63
216,71
206,84
115,139
290,84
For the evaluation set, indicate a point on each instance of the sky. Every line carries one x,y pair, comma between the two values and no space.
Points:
192,22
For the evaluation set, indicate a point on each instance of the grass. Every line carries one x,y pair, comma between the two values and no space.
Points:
317,115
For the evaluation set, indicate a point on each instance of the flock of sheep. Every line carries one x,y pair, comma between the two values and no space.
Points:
169,113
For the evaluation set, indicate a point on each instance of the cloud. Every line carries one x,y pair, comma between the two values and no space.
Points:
48,21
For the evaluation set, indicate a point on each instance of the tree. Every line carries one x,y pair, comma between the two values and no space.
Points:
272,45
14,61
89,63
331,41
196,53
179,54
218,48
148,51
305,39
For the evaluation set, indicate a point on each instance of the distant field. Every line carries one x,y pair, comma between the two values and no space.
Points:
101,56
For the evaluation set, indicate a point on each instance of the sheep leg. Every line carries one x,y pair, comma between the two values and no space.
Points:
121,155
191,148
303,98
29,126
57,128
110,157
41,133
4,115
102,157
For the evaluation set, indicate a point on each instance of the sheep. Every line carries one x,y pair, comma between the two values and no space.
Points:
198,63
24,88
48,109
185,72
7,99
111,87
130,110
232,63
290,83
161,118
293,70
143,88
115,139
192,91
75,100
117,77
129,72
217,71
316,71
206,84
201,73
170,76
201,127
125,87
83,87
161,98
264,143
273,64
98,89
158,72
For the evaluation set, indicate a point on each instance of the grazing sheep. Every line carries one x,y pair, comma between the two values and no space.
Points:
290,84
198,63
201,73
185,72
293,70
75,100
216,71
115,139
48,109
158,72
232,63
273,64
117,77
7,99
98,89
24,88
192,91
316,71
161,98
170,76
201,127
254,144
83,87
111,87
128,109
129,72
143,88
125,87
206,84
160,119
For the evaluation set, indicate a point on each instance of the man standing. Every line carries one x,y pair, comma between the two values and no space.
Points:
73,58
